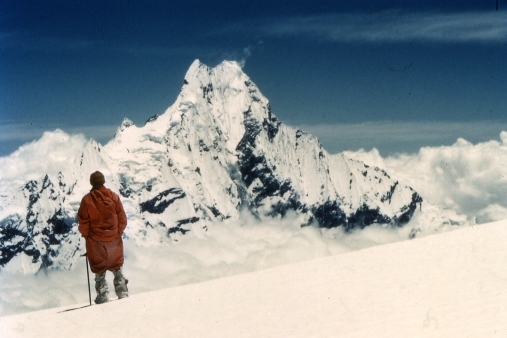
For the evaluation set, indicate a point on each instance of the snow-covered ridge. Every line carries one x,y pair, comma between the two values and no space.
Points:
216,152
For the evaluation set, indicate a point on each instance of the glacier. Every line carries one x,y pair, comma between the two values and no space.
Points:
218,152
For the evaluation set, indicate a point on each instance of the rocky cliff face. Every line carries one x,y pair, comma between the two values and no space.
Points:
216,152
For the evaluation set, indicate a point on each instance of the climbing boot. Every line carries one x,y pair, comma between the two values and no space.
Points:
101,288
120,284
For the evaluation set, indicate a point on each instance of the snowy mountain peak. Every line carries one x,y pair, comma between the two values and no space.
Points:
223,144
217,151
226,69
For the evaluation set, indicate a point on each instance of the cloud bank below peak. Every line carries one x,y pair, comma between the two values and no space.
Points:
468,178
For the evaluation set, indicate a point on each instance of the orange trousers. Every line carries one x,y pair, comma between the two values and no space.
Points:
105,256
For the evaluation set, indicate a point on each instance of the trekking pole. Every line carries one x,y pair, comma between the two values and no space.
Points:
88,278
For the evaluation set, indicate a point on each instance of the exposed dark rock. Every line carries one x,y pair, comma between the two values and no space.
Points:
187,221
329,215
159,203
13,239
216,212
153,118
176,229
60,224
291,204
389,194
408,211
365,216
181,222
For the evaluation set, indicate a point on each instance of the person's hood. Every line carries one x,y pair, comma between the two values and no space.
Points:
102,196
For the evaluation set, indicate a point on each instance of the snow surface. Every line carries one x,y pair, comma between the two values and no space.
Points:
447,285
229,249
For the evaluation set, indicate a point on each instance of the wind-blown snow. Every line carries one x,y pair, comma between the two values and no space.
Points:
448,285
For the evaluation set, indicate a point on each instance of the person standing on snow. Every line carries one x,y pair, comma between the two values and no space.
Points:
102,221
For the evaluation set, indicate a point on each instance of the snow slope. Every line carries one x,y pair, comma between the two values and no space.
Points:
447,285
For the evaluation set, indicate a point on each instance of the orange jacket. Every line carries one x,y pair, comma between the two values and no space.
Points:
101,215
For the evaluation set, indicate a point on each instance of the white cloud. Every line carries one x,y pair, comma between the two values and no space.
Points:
30,132
30,41
395,26
468,178
53,151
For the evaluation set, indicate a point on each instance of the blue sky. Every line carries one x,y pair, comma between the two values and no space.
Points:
387,74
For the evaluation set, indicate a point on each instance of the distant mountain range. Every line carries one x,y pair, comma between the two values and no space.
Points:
216,153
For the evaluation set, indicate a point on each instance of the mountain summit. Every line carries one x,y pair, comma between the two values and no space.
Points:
217,152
